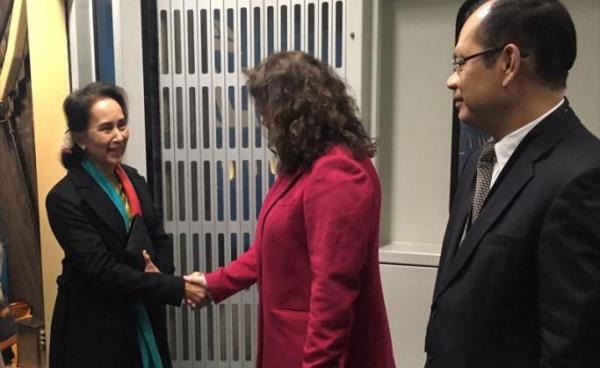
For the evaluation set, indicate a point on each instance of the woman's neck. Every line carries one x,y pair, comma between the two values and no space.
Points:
106,170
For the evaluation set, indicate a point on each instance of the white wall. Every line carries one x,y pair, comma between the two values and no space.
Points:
415,119
417,38
404,297
127,25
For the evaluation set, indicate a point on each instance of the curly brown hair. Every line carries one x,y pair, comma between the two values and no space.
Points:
306,109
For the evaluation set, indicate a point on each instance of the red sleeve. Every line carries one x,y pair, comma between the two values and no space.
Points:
339,207
238,275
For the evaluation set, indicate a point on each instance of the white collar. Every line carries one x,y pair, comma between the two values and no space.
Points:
505,147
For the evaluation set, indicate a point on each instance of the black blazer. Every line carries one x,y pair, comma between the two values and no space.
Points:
94,324
523,289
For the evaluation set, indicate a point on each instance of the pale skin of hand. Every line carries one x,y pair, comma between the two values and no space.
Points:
196,291
198,279
150,266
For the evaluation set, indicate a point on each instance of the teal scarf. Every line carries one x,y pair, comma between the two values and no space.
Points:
147,342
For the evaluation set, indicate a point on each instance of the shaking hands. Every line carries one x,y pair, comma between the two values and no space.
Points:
197,294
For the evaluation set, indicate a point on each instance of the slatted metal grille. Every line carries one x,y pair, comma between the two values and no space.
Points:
216,168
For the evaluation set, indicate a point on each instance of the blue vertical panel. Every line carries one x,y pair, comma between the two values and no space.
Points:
105,46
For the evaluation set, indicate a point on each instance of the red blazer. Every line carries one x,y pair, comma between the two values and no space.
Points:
315,258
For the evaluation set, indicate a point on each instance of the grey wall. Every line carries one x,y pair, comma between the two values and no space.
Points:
415,120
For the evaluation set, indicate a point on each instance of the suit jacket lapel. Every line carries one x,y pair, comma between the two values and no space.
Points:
497,203
459,212
97,200
516,174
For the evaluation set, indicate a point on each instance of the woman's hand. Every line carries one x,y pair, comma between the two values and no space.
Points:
150,266
197,293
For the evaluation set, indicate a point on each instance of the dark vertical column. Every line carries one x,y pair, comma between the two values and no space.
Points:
151,98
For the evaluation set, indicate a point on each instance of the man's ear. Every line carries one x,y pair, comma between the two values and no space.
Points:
510,62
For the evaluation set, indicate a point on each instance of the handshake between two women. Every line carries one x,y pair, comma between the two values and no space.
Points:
197,294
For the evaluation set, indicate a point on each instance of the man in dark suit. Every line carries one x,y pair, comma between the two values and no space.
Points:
518,284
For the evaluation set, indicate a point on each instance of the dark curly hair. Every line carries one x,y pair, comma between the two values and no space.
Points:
306,109
77,108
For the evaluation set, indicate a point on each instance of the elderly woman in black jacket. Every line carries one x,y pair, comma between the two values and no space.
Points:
109,310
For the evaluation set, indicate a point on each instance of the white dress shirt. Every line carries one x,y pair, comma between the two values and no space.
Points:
505,147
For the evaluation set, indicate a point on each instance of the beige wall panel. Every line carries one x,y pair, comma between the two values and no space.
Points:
50,85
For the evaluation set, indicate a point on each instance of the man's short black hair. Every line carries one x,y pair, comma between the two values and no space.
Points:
543,29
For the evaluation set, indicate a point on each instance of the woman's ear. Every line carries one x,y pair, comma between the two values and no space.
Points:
78,139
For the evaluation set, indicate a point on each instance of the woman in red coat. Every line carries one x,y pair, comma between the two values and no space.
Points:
315,256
